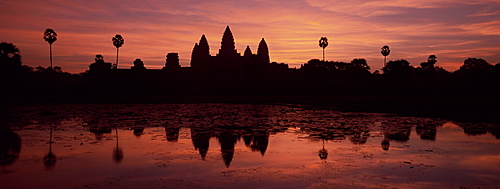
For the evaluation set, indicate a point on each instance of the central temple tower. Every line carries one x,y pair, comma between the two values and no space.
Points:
227,49
228,58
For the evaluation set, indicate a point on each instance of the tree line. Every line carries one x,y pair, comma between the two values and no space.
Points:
398,77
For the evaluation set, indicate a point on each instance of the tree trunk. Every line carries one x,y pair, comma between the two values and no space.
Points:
116,67
50,56
323,54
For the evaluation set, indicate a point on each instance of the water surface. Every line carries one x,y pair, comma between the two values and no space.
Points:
240,146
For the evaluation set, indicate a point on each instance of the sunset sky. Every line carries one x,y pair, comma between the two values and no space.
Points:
453,30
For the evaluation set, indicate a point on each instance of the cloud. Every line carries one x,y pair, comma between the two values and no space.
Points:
484,28
488,11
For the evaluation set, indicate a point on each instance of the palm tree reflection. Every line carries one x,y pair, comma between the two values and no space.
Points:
50,159
117,152
385,143
323,153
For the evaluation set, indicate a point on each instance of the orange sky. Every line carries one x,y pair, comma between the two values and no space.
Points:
453,30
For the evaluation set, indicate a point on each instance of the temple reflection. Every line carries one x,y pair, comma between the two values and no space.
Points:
201,140
227,141
259,143
257,140
172,133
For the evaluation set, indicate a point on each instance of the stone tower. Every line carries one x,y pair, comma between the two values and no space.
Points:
194,56
263,52
172,61
201,53
248,52
227,49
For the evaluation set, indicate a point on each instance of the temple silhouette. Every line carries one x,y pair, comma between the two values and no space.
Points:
227,58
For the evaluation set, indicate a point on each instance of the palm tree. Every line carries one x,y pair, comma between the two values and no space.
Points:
117,42
323,43
50,36
385,52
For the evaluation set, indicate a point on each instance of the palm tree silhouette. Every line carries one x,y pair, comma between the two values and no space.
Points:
385,52
50,36
117,42
323,43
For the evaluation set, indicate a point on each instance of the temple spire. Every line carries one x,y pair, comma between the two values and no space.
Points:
194,56
248,52
227,48
203,47
263,52
201,53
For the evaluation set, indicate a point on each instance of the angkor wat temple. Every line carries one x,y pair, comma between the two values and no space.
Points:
227,59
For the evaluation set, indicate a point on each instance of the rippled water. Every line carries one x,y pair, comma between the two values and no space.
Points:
240,146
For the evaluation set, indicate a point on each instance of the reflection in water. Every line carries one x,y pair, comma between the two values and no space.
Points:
249,142
259,143
359,137
385,143
201,140
399,132
10,147
227,141
117,151
81,139
172,133
427,131
323,153
480,129
99,131
138,131
50,159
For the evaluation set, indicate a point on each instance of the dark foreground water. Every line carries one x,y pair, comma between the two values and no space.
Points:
240,146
